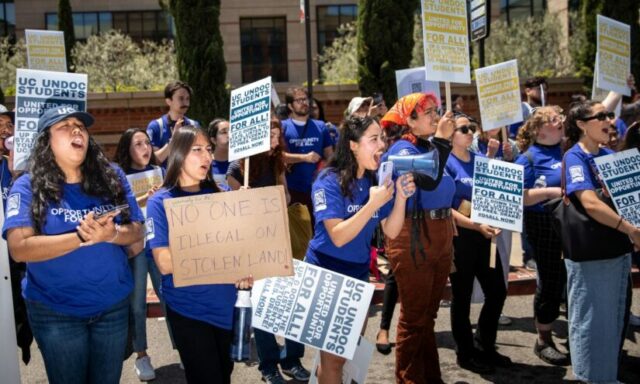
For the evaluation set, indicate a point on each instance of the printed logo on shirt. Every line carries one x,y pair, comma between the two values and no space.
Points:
74,215
404,152
557,165
150,229
13,205
577,174
319,201
466,180
304,142
353,208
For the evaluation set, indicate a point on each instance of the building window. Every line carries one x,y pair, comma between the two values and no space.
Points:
329,19
139,25
7,18
511,10
263,42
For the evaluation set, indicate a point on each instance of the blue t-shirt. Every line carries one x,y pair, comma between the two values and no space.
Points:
462,174
440,197
211,303
219,173
5,180
83,282
330,203
579,171
621,127
160,135
316,138
545,166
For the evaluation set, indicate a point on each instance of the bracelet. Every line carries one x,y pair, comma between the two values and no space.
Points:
82,240
619,222
117,233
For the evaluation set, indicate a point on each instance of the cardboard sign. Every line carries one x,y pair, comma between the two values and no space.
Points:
222,237
317,307
499,95
446,40
141,182
45,50
621,174
497,195
354,371
249,122
37,91
613,55
412,80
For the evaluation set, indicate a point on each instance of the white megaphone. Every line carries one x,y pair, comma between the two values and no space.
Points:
426,163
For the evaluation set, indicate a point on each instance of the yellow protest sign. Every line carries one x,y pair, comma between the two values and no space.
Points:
499,95
613,55
141,182
222,237
45,50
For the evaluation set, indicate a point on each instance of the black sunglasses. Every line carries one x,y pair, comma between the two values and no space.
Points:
600,116
467,128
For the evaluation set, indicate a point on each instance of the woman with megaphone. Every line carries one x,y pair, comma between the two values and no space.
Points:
421,254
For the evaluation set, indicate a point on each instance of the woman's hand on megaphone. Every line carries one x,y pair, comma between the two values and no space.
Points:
381,194
446,126
406,186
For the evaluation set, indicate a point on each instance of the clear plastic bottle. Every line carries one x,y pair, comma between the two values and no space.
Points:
541,182
241,344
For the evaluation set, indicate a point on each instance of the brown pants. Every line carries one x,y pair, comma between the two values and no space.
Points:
421,285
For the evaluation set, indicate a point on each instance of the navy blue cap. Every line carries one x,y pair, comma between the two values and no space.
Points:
57,114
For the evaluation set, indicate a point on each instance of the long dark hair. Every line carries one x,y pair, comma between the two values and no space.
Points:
212,129
343,161
123,152
632,137
181,143
99,179
577,112
259,163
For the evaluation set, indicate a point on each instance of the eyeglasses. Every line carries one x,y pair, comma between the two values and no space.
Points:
600,116
467,128
302,100
557,119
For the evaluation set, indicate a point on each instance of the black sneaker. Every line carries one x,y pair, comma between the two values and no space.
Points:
273,378
297,372
550,354
474,364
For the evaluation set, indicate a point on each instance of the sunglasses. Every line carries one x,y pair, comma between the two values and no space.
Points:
467,128
601,116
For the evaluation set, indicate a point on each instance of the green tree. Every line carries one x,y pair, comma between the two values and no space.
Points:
200,56
339,61
385,42
65,24
12,57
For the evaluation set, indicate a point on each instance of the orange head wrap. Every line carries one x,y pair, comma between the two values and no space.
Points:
402,109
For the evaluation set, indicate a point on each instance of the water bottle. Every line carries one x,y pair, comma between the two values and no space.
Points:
541,182
241,345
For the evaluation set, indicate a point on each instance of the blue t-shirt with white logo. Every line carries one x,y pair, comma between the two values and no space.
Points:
5,180
440,197
302,139
219,173
544,168
330,203
580,168
462,174
160,133
211,303
83,282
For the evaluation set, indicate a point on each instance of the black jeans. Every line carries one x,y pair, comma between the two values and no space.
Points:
471,258
389,300
204,349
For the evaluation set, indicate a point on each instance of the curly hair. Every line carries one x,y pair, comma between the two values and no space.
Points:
123,151
99,179
343,162
273,160
577,112
529,131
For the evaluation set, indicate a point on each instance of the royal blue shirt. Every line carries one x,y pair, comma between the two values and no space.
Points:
211,303
302,139
219,172
440,197
83,282
542,164
161,133
330,203
5,180
462,174
580,169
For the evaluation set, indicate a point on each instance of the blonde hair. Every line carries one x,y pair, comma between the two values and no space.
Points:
529,131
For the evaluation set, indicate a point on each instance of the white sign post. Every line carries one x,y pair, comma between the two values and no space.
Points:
621,174
613,55
37,91
412,80
45,50
499,95
497,195
317,307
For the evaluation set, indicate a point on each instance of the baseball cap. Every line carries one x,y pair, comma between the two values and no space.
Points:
355,104
57,114
5,112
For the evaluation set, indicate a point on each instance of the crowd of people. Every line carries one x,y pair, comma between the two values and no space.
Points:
82,247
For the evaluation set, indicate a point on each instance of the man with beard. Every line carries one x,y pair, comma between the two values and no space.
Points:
535,89
177,95
308,141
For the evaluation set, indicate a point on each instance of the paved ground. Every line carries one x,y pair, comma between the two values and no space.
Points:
515,341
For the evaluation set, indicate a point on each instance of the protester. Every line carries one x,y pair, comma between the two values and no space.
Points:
308,142
134,154
201,315
540,139
177,96
218,132
535,89
421,255
472,261
78,282
367,106
597,283
348,207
